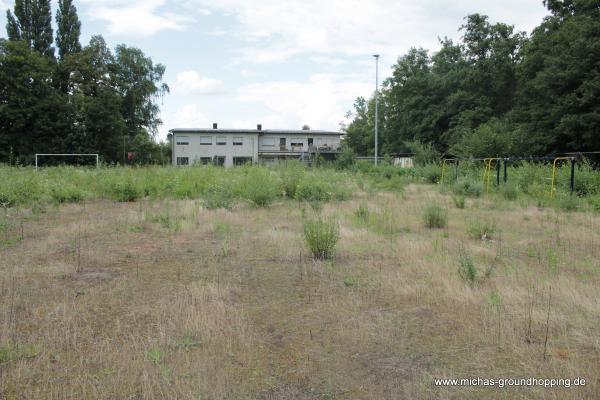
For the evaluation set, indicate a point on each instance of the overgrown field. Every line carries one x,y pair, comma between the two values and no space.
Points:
250,283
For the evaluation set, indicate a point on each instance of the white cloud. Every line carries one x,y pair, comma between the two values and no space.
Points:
190,82
189,116
327,60
137,17
276,30
317,102
217,32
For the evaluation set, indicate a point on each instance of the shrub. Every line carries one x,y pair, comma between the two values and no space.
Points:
65,193
466,269
124,190
260,186
321,236
431,173
568,203
218,196
362,213
291,176
312,188
459,201
481,230
435,216
510,192
467,187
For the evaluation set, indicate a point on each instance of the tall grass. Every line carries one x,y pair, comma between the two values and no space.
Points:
321,236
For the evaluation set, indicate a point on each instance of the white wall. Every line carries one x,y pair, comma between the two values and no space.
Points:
194,150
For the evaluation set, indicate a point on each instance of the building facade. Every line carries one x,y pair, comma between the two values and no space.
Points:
230,147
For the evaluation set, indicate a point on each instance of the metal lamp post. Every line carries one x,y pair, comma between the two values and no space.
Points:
376,106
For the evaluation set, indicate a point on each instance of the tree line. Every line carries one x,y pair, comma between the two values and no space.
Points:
495,92
74,98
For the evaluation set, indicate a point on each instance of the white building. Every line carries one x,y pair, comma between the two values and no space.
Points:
228,147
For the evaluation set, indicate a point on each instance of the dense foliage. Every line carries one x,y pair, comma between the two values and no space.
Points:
89,100
495,93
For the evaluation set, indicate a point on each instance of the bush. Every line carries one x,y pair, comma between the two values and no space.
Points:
291,176
467,187
313,188
65,193
481,230
124,190
218,195
435,216
362,213
568,203
510,192
260,186
459,201
321,236
466,269
431,173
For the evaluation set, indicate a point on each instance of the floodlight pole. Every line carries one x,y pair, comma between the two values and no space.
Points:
376,106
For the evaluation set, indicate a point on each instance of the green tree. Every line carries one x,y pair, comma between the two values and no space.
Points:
559,80
32,22
69,29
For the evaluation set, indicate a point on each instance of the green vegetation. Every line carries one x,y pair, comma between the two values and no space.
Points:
321,235
435,216
481,230
496,92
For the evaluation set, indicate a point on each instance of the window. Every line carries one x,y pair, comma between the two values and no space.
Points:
242,160
183,161
268,142
282,144
219,161
296,143
205,160
183,140
238,141
221,141
206,140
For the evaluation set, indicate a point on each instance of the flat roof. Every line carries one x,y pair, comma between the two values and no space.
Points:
256,131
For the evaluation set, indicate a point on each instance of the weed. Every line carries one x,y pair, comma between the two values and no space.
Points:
467,187
218,196
494,299
363,213
260,187
481,230
14,352
466,269
435,216
321,236
291,176
459,201
350,281
510,192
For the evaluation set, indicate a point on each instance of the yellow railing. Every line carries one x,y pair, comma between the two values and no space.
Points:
554,169
487,174
444,162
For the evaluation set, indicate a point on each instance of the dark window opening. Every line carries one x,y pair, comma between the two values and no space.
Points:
242,160
219,161
183,161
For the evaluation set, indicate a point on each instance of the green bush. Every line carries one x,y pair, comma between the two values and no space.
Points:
567,202
65,193
431,173
459,201
260,186
467,270
435,216
481,230
291,176
362,213
510,192
315,188
321,236
218,195
125,190
466,187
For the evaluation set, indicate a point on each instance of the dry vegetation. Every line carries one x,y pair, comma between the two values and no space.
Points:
163,299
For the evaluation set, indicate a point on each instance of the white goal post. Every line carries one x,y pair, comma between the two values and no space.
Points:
67,155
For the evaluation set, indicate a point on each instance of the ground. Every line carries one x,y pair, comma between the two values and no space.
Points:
166,300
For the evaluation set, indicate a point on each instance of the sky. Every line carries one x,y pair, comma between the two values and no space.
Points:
279,63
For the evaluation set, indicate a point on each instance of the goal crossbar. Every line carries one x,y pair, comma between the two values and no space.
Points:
67,155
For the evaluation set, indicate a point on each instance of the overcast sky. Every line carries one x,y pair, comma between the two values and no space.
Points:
282,63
